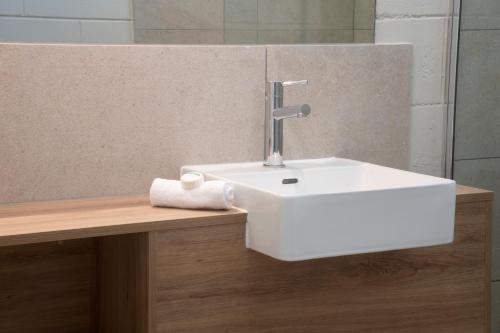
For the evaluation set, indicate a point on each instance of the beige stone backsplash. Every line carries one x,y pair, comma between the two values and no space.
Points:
87,120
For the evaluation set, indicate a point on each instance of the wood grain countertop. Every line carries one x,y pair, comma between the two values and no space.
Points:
472,194
37,222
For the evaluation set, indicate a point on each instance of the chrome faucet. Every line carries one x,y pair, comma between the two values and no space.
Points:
275,113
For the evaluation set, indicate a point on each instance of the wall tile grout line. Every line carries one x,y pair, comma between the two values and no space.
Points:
476,158
410,17
426,104
81,33
482,29
242,29
66,18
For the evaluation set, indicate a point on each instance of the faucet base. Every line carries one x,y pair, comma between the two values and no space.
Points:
274,161
267,165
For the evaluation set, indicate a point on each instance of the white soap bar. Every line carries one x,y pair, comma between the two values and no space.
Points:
192,180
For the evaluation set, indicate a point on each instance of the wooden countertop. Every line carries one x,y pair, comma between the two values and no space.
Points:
37,222
472,194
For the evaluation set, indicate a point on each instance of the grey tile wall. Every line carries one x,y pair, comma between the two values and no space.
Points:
289,21
254,21
179,14
299,21
478,95
481,14
242,12
191,36
313,14
477,127
364,21
12,7
179,21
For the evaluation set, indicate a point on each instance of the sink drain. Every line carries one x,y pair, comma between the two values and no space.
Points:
289,181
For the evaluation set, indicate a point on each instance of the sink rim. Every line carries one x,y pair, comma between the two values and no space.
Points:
295,165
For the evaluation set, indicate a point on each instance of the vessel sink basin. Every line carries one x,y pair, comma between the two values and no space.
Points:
332,207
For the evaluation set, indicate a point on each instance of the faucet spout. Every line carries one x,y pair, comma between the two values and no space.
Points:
296,111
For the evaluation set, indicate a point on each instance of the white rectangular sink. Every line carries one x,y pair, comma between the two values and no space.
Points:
332,207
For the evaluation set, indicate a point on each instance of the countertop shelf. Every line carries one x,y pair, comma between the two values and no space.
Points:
471,194
37,222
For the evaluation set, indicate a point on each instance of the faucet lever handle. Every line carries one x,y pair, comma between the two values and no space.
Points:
295,83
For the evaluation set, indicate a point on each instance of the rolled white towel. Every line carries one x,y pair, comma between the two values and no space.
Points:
215,194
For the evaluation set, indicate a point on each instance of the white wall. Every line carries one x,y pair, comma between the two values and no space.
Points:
68,21
423,23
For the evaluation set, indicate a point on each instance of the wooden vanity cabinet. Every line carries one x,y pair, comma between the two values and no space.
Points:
118,265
